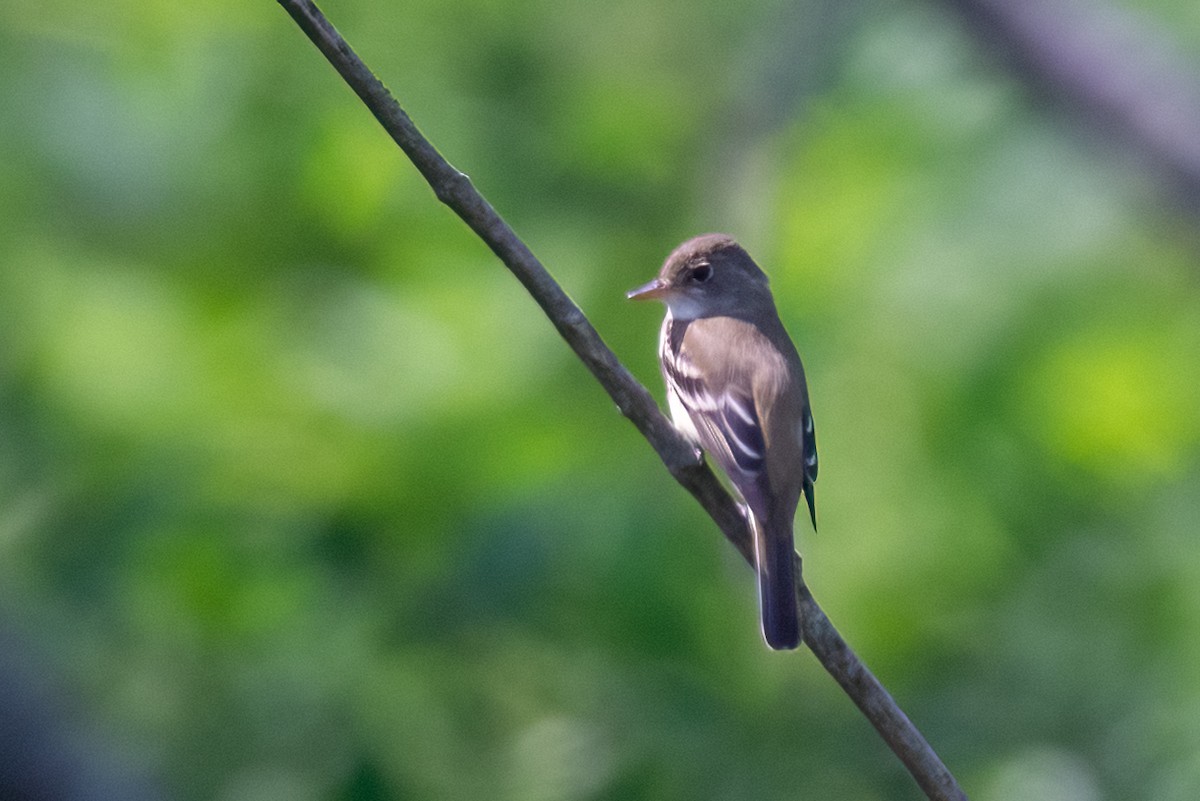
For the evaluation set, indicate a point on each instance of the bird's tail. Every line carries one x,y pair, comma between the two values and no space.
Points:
774,553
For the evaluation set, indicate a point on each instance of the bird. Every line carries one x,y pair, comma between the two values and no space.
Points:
736,388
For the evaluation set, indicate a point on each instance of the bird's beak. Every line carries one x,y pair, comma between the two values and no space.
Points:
651,291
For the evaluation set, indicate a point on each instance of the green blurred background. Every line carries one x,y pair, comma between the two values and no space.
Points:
302,498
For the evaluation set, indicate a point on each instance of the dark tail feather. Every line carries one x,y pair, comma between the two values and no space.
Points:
776,587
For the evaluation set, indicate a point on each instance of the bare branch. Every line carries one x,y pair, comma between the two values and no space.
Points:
633,400
1111,66
874,701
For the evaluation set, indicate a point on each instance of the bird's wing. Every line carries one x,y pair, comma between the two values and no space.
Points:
726,423
808,446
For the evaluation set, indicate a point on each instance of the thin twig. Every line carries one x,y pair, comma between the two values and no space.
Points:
455,190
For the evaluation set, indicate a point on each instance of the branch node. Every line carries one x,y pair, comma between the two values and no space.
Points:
454,188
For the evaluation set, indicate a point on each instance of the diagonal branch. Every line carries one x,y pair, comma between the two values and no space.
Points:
1110,65
455,190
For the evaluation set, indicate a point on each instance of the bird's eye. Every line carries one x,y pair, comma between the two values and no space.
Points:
702,273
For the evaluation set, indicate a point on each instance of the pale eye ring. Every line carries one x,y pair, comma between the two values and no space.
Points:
702,273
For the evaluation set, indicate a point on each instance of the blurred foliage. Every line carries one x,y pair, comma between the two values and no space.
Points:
301,498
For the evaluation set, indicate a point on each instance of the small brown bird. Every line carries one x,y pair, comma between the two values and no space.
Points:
736,388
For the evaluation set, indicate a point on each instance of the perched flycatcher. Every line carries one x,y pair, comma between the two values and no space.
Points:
736,388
